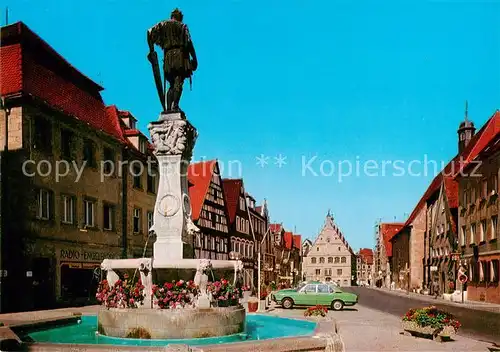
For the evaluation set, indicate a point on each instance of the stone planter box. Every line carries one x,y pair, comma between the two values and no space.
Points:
412,329
171,323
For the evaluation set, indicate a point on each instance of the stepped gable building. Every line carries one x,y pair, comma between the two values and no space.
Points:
331,257
240,233
57,228
427,245
209,211
478,214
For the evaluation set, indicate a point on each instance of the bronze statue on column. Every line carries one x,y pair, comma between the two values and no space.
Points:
179,61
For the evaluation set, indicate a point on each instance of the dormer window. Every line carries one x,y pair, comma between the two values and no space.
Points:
132,124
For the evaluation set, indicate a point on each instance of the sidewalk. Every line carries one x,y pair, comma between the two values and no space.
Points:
490,307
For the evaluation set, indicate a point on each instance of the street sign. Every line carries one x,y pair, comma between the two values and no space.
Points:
462,278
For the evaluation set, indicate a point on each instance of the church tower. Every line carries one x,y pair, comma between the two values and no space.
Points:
465,131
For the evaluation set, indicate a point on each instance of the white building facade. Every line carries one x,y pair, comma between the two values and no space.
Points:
330,257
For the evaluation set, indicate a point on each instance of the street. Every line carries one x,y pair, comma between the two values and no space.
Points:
366,329
477,324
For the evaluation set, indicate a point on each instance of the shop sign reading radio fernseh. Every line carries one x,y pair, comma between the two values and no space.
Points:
83,255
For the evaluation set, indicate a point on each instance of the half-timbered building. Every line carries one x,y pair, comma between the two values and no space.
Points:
240,232
208,211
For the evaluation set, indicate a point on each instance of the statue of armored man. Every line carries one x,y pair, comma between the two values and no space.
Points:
179,61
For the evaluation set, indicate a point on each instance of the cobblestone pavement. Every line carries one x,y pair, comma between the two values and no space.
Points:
365,329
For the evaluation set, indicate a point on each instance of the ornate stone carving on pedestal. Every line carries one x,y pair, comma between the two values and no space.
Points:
173,139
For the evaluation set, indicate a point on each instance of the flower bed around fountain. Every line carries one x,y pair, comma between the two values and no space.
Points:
174,314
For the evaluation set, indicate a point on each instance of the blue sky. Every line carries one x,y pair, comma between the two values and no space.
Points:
340,80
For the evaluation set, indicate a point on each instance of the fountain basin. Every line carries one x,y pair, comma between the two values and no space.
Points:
171,323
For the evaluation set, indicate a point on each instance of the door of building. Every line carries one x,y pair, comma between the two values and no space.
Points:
78,284
43,283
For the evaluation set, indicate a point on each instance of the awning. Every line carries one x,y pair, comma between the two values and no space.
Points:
81,265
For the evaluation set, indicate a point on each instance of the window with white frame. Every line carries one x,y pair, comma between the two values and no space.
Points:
198,240
137,220
483,231
89,213
150,220
472,233
213,243
68,209
494,226
108,217
43,209
462,235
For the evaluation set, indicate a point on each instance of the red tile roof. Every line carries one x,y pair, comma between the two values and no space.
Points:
388,231
453,168
29,66
288,238
232,189
132,132
11,69
275,228
367,255
297,241
199,175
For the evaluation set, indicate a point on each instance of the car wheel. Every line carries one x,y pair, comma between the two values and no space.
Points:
287,303
337,305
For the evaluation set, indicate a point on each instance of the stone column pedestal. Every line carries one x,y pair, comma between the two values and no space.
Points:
173,139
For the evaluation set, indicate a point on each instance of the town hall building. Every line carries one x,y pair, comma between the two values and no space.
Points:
330,256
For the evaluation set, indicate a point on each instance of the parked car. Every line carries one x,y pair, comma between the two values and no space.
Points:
315,293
